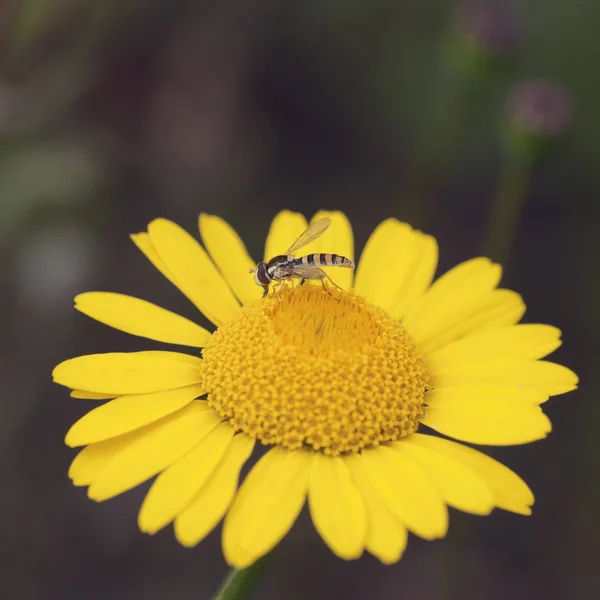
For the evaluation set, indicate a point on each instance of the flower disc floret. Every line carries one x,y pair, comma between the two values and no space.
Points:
305,367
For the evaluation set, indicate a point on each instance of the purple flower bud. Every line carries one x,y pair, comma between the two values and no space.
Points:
490,26
540,108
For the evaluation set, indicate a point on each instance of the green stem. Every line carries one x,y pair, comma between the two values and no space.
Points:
30,19
453,99
507,207
239,582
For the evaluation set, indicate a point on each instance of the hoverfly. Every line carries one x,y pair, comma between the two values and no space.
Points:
286,267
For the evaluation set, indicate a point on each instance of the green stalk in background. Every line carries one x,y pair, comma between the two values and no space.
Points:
538,115
239,582
483,39
507,206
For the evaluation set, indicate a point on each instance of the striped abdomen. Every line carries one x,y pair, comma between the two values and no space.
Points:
324,260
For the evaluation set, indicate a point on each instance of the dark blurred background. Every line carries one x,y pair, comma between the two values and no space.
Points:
113,113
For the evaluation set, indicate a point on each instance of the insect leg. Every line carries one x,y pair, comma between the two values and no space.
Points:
331,281
280,285
328,290
317,274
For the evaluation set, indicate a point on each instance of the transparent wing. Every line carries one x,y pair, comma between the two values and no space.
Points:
312,233
314,273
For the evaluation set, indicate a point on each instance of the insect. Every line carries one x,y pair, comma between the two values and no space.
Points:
286,267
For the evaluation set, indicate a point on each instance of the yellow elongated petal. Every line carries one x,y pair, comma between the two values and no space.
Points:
386,536
175,487
488,420
419,277
230,255
127,413
92,459
459,485
195,274
266,506
336,239
549,377
389,238
286,227
513,342
483,391
510,491
396,267
84,395
138,317
408,492
180,356
129,372
207,508
467,280
377,278
499,308
153,449
143,242
336,507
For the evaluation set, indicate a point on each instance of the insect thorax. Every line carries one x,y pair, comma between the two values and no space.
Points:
274,266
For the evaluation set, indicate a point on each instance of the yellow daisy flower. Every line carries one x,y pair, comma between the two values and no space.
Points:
340,387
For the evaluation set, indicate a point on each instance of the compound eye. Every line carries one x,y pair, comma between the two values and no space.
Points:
262,277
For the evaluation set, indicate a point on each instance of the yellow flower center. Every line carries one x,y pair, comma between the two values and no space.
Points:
304,368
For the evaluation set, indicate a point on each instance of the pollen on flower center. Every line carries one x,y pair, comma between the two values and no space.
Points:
304,368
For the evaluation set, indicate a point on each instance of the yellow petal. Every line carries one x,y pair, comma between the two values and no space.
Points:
230,255
448,298
266,506
138,317
459,485
407,491
419,276
92,459
499,308
471,278
286,227
129,372
513,342
386,536
551,378
396,267
336,507
177,485
153,449
509,490
336,239
180,356
84,395
483,391
209,505
127,413
377,278
195,274
143,242
498,421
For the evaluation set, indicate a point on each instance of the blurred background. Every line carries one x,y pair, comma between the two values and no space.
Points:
476,122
